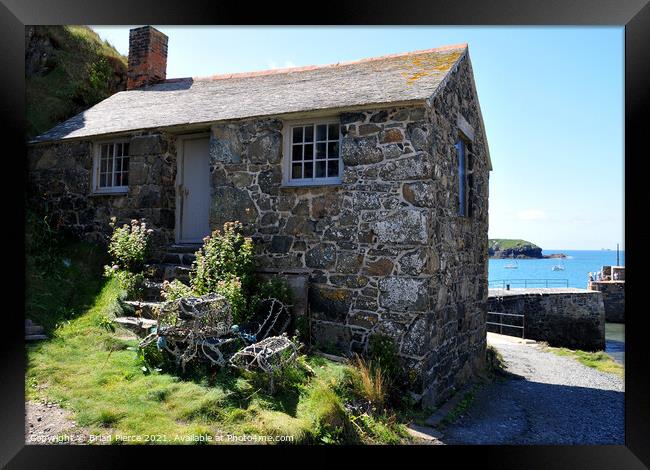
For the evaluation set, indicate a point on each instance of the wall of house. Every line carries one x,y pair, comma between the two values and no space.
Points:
60,183
385,250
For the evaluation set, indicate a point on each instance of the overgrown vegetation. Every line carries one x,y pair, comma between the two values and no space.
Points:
113,388
129,249
225,265
69,69
63,276
598,360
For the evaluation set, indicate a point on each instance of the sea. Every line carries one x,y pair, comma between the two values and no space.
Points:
577,265
539,272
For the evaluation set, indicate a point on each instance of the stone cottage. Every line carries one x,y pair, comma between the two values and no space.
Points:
370,176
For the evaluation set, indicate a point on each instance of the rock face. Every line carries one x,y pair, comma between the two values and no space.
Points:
385,250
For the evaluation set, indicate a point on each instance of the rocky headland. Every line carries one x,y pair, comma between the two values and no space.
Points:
520,249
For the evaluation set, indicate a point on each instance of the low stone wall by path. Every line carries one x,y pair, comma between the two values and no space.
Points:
571,318
613,297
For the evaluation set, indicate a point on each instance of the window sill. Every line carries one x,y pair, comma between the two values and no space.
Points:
314,185
121,192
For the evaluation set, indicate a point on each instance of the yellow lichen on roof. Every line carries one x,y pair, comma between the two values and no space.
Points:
426,65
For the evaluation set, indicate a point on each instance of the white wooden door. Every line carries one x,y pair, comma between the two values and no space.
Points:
194,190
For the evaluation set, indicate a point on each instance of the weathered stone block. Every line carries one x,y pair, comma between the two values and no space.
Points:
408,168
265,149
361,151
322,256
404,226
380,267
420,193
349,262
403,293
146,145
329,304
232,204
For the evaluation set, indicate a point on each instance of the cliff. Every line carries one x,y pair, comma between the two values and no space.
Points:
68,69
510,248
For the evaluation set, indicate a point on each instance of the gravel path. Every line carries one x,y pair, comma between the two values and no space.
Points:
549,400
48,423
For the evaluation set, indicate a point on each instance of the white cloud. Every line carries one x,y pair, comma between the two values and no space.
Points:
288,63
532,214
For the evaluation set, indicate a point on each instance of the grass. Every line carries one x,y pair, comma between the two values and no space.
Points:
462,406
98,375
507,243
80,69
598,360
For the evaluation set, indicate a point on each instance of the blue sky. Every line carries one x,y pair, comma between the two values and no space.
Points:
552,101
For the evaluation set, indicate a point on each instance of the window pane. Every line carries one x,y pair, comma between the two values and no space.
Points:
309,151
333,150
125,178
309,134
102,180
296,171
118,179
297,134
333,132
309,170
332,168
321,132
320,150
125,164
320,169
125,149
296,153
104,151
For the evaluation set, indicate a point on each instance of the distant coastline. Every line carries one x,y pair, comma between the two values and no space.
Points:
503,248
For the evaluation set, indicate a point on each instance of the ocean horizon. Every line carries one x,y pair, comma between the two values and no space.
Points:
539,273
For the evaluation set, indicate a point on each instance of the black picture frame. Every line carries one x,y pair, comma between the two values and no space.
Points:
633,14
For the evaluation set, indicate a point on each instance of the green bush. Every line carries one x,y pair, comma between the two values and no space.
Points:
275,288
129,245
383,353
232,290
224,256
175,290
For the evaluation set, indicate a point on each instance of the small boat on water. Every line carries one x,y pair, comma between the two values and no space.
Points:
511,266
558,267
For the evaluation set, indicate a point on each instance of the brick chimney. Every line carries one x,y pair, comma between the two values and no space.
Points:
147,57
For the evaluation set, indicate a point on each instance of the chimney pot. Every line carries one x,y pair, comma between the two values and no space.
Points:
147,57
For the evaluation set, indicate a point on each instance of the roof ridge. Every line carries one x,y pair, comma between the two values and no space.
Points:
305,68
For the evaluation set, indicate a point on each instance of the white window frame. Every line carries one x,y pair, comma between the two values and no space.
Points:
97,147
287,138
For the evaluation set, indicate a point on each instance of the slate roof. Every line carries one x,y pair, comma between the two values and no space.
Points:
409,77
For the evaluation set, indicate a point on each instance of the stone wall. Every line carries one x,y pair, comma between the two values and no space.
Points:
60,184
385,250
613,297
571,318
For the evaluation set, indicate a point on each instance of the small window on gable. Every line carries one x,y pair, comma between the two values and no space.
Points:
465,160
111,167
313,153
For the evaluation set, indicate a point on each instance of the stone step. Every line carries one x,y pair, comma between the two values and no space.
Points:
139,326
34,337
34,330
143,310
184,248
185,259
152,291
167,272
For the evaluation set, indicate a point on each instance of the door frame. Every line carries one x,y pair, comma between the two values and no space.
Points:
180,159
